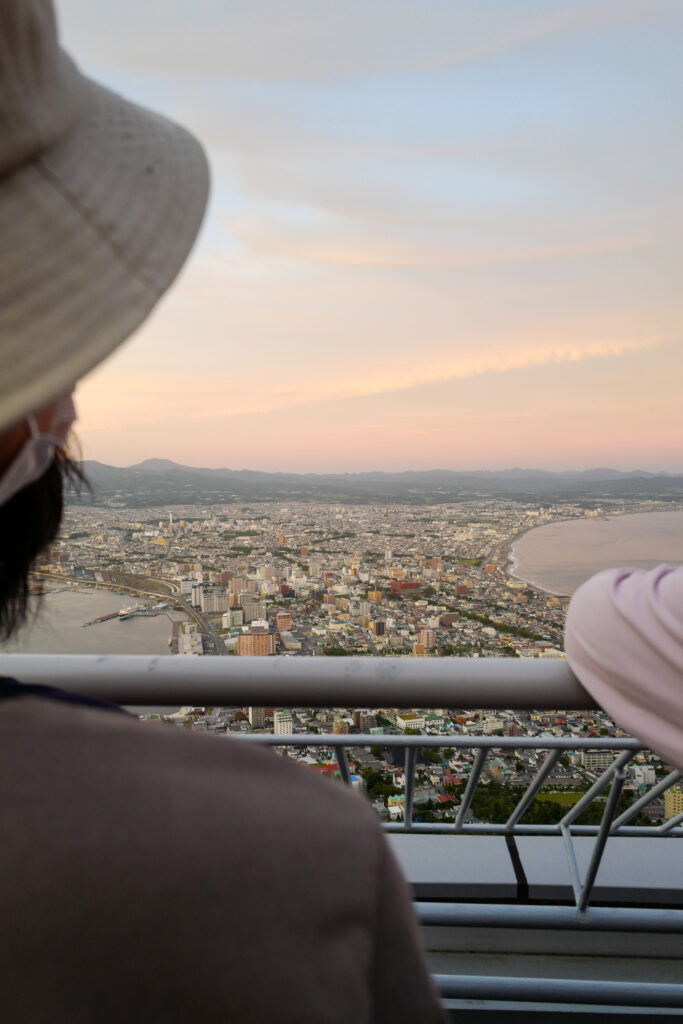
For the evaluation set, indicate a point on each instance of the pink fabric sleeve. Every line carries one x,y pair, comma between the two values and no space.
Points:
624,642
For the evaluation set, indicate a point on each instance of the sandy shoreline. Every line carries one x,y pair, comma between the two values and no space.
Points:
638,548
512,561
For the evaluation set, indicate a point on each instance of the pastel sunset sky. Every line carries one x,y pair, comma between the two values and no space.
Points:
441,234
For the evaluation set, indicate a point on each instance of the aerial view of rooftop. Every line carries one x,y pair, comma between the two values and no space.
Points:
341,608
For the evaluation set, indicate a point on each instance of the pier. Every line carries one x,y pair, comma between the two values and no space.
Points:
102,618
130,613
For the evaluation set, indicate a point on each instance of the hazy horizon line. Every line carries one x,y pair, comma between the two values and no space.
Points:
357,472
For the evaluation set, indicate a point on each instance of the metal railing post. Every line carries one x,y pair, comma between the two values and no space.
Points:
670,824
598,849
472,782
410,765
647,798
574,873
601,783
552,757
343,764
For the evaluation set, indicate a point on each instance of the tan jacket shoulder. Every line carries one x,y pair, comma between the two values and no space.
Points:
158,874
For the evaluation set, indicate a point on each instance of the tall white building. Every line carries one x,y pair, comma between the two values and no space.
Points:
215,599
282,723
643,774
597,760
253,610
266,572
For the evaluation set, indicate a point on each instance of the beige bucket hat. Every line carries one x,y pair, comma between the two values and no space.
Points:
100,202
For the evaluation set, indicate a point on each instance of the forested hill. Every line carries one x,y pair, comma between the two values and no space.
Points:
162,482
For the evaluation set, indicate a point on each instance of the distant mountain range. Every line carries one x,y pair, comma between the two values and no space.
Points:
162,482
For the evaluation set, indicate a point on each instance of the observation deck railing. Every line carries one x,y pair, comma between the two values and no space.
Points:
455,683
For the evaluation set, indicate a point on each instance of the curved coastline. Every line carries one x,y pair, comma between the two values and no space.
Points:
512,561
642,558
537,586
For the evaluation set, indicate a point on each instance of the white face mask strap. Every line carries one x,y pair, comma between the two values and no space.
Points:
36,453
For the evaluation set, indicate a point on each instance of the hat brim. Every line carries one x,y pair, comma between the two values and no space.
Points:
92,234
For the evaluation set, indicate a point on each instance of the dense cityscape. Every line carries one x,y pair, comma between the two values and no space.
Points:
325,579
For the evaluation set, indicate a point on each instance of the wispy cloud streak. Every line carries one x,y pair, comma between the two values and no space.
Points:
408,198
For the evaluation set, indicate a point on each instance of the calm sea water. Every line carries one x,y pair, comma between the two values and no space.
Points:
58,629
561,556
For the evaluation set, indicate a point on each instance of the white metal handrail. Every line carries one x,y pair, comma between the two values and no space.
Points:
574,992
485,683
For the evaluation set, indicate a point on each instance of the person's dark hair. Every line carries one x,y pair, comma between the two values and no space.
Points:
29,522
